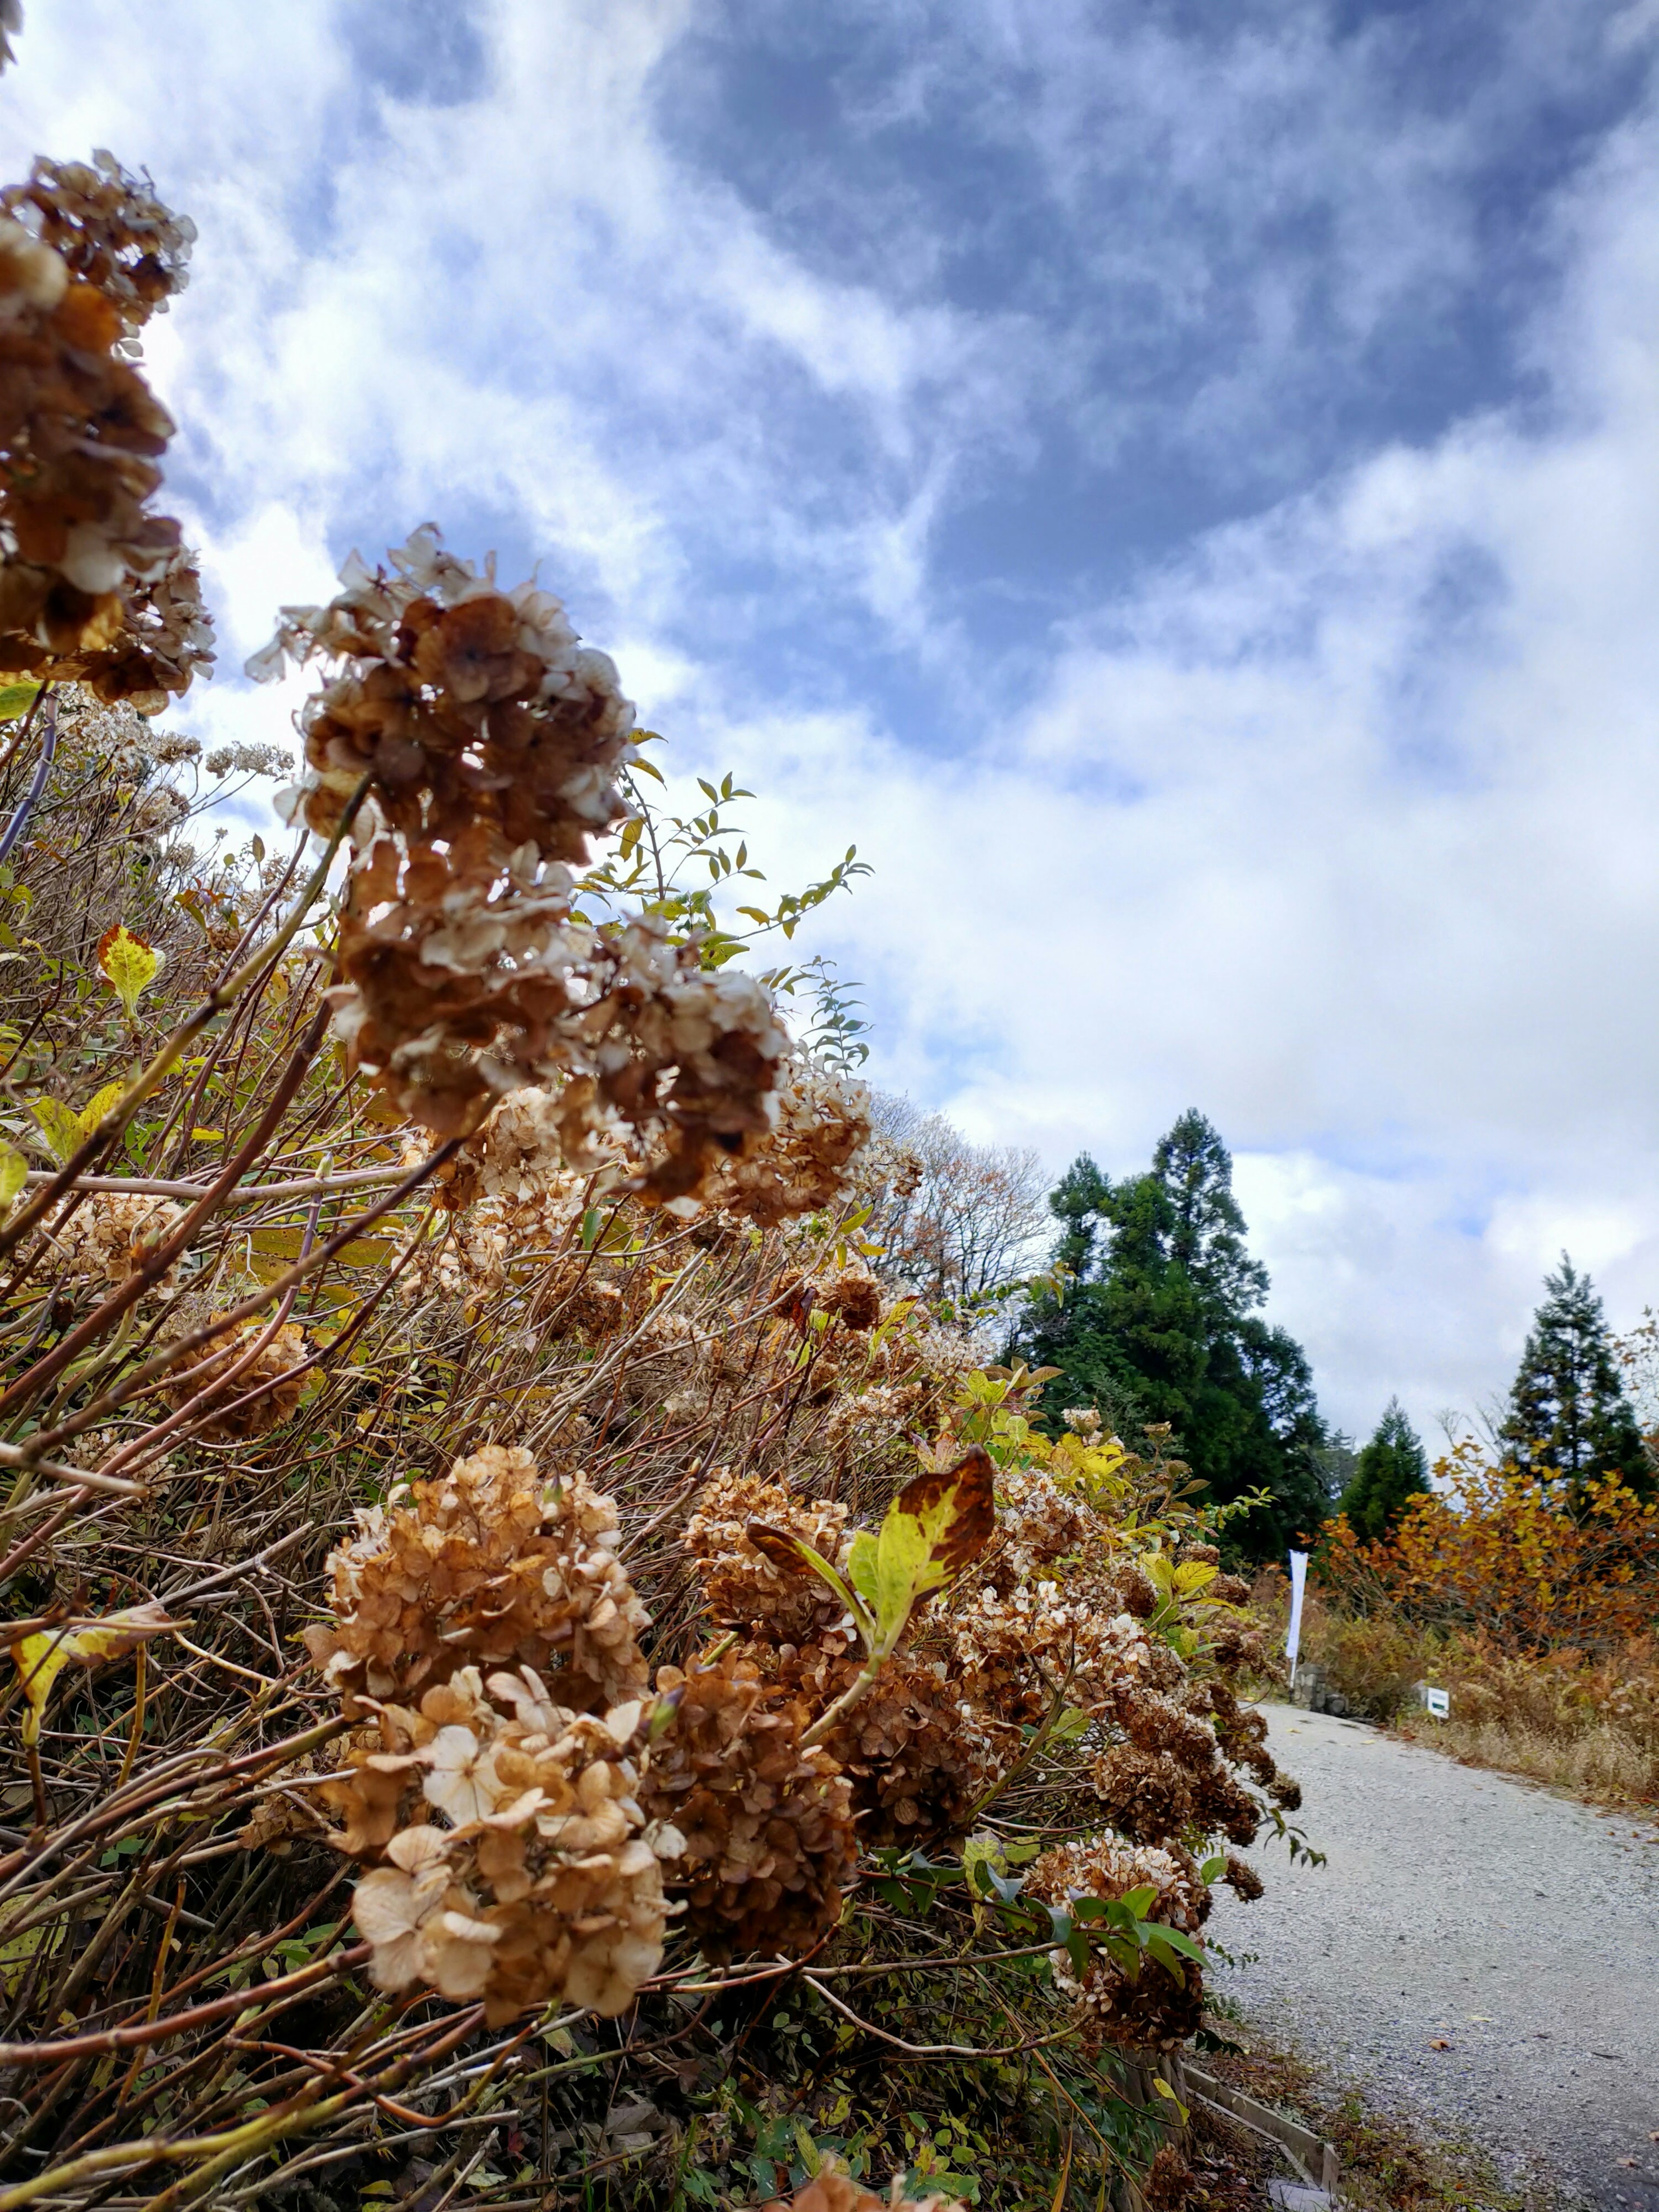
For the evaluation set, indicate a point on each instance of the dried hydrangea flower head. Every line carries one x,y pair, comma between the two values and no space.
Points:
493,741
1039,1528
111,1234
1156,2009
276,1373
110,230
92,584
768,1827
545,1881
490,1565
1168,2181
803,1164
475,710
920,1756
742,1587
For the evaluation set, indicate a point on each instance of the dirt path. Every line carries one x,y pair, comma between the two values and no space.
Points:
1458,1908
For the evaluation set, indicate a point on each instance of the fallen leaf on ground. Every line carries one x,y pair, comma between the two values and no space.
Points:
1438,2042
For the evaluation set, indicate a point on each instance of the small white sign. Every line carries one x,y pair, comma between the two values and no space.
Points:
1437,1703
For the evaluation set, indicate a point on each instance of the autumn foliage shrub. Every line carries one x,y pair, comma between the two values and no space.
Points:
1534,1609
1498,1553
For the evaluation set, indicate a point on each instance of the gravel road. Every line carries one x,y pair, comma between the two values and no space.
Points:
1520,1930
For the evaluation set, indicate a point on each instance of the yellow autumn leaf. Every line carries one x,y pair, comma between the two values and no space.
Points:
128,965
40,1658
96,1109
937,1523
59,1124
14,1170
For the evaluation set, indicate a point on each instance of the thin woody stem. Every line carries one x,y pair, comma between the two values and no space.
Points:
223,994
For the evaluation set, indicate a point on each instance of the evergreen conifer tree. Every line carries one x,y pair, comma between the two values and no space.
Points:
1159,1324
1391,1468
1568,1418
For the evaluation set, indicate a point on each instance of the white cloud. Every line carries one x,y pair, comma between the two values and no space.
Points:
1338,823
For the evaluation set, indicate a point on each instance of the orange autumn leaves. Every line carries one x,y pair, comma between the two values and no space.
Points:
1496,1553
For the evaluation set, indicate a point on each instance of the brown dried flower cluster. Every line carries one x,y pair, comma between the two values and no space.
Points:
1156,2009
275,1373
492,741
488,1565
744,1588
111,1234
799,1164
92,585
768,1827
1168,2181
920,1756
546,1882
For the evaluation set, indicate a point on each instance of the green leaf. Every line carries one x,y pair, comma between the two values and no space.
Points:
861,1567
934,1527
14,1172
59,1124
1212,1869
1139,1900
17,699
1170,1946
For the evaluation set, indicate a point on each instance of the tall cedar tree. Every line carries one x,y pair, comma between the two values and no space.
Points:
1568,1418
1391,1468
1159,1324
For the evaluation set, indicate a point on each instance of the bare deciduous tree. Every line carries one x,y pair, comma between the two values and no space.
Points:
964,1219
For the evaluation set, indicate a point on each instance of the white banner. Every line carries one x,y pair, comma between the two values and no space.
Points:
1299,1584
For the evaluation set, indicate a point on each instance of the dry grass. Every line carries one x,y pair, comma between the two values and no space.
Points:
1586,1724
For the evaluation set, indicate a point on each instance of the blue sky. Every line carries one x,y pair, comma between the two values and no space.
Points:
1175,483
